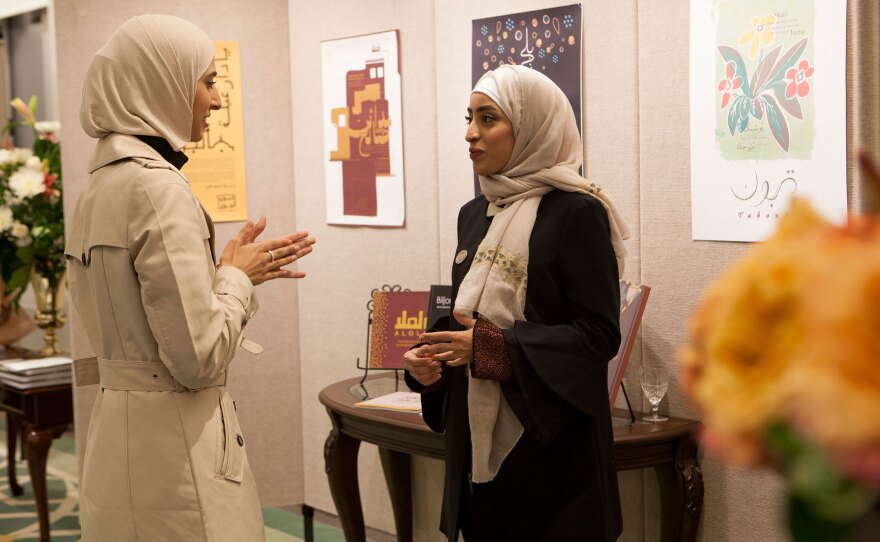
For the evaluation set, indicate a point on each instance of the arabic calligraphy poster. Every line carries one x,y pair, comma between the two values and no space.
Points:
768,113
397,321
216,167
547,40
363,135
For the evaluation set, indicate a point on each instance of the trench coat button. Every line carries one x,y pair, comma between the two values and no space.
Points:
240,440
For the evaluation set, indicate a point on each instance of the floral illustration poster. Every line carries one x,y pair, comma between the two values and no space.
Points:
216,168
363,135
768,113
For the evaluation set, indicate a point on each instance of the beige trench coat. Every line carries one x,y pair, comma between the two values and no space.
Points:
165,458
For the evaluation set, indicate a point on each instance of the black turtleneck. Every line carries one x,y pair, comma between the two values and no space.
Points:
161,145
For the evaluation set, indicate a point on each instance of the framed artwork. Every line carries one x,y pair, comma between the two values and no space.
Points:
768,113
363,135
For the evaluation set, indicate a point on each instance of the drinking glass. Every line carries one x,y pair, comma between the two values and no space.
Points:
654,382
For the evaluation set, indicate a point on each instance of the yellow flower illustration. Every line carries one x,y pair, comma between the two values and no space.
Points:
761,33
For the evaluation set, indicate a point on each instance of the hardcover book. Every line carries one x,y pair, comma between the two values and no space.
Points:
399,318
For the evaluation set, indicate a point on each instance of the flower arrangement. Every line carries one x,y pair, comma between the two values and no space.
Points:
782,364
31,206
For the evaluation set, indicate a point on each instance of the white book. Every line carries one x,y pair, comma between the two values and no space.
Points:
399,401
36,383
34,366
42,377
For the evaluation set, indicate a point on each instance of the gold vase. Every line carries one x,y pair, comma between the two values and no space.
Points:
50,315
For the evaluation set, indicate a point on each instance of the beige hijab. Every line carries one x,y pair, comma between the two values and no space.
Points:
546,155
143,81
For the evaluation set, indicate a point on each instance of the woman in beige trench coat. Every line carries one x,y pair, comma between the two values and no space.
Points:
165,458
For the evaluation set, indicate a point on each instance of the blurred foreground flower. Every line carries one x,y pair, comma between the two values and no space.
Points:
782,364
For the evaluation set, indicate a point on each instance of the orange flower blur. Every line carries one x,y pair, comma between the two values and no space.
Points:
791,334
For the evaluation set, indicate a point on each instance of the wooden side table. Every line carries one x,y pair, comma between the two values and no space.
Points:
40,415
668,445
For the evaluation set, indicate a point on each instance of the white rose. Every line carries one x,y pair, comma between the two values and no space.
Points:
5,156
34,163
5,218
19,230
26,183
47,126
21,155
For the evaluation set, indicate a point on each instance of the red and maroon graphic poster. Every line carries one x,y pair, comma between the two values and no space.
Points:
363,136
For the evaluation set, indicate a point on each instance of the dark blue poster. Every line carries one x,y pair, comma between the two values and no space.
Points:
547,40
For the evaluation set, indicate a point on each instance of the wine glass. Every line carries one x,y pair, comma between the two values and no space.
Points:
654,382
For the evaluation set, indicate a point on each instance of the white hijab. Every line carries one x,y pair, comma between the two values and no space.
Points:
546,155
143,81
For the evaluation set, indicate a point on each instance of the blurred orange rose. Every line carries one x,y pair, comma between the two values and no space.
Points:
791,334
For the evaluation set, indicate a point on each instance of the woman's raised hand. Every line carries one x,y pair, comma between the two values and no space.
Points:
264,260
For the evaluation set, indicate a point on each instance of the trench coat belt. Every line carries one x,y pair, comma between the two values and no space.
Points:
131,375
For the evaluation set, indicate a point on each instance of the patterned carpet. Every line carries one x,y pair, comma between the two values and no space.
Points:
18,518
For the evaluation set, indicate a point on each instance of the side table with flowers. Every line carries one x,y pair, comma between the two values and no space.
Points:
32,224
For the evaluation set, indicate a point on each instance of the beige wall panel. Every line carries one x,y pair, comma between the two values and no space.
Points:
351,261
266,387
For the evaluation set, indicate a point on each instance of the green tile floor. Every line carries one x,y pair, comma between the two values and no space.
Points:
18,519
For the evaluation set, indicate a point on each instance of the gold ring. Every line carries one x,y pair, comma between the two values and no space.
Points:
271,255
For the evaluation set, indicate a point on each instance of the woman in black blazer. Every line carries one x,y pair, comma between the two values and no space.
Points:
519,381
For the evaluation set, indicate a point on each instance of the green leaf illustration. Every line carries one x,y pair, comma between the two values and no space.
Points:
729,54
743,114
756,110
776,121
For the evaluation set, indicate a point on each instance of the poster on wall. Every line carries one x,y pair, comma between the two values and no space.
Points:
546,40
768,113
216,168
363,132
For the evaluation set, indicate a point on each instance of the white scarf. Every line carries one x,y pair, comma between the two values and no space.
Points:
547,155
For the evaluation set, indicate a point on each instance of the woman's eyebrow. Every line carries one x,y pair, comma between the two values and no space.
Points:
485,108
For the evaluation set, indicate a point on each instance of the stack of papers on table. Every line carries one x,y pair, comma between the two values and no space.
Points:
399,401
35,373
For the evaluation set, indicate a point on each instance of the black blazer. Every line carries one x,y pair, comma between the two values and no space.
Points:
560,482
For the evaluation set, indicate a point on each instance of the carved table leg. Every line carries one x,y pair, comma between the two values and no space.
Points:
13,427
398,477
38,442
683,517
340,464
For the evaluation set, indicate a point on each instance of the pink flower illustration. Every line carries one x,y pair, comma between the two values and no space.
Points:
728,84
797,80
